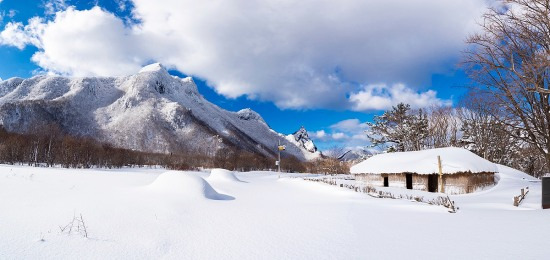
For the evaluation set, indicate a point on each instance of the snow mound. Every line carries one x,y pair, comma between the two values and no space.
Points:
223,175
453,160
185,185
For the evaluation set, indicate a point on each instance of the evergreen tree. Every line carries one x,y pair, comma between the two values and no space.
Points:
399,129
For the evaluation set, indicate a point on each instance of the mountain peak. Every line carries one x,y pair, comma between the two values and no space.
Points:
302,138
301,134
152,68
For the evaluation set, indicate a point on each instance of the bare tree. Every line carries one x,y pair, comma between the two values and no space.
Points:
510,61
484,134
444,125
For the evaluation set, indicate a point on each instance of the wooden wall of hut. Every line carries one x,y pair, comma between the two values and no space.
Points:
465,182
456,183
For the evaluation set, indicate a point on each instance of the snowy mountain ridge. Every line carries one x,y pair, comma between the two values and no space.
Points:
149,111
355,154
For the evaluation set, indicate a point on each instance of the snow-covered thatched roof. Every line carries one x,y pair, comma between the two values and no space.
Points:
453,160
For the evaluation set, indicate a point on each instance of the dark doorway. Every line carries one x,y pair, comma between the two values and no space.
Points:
386,181
432,182
409,178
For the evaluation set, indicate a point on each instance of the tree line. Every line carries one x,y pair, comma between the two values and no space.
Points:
48,146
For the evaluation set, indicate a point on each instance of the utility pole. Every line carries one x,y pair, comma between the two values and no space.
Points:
279,149
279,160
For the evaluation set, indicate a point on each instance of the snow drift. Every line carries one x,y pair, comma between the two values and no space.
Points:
223,175
185,185
453,160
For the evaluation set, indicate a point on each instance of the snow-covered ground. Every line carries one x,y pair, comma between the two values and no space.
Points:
130,214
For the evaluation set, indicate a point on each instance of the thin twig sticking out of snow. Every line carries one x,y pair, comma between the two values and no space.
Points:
76,223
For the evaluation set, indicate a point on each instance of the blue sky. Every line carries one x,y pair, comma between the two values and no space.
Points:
329,67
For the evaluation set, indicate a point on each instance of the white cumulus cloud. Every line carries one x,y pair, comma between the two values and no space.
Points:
51,7
297,54
383,97
80,43
321,134
18,35
338,136
349,125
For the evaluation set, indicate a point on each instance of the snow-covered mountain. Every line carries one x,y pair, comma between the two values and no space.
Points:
149,111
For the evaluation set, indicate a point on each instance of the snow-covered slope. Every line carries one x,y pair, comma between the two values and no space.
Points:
149,111
453,160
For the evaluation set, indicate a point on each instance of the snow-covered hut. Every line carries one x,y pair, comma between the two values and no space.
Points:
462,170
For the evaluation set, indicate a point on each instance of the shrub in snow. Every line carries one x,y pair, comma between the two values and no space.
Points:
75,226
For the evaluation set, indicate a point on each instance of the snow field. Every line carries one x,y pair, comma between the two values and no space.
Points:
268,218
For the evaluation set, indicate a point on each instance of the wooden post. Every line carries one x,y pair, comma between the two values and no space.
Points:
441,189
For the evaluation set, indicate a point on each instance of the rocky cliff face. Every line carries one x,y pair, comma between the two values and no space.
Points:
301,139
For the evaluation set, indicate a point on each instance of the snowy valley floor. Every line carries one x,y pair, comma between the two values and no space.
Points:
262,217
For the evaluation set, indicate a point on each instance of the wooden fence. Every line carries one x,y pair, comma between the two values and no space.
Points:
371,191
519,199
